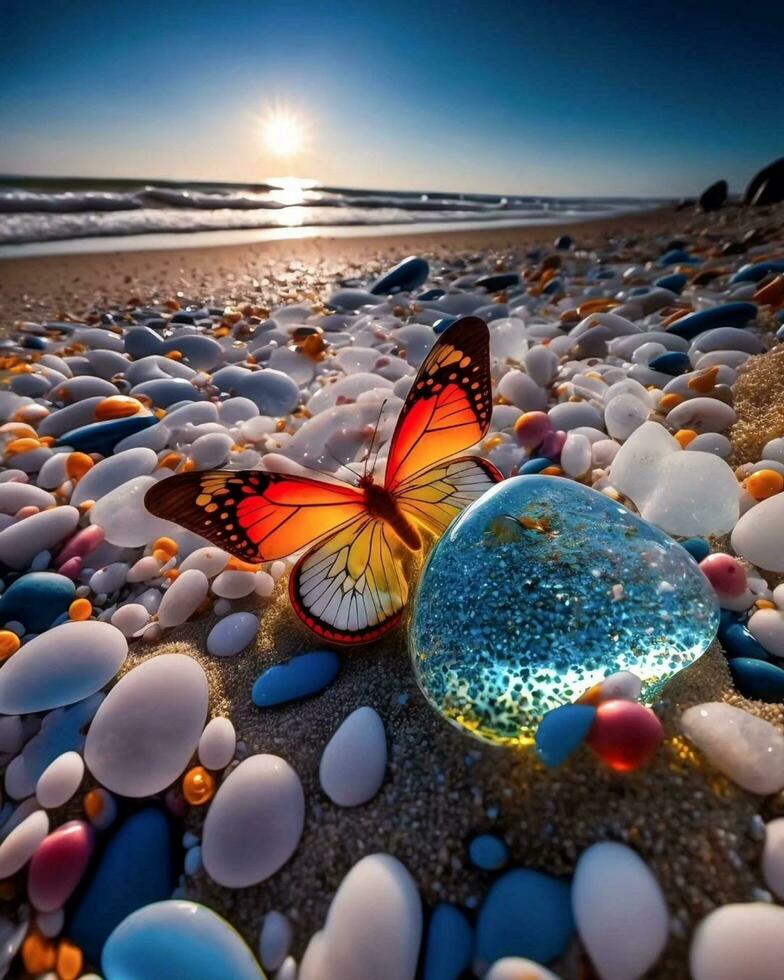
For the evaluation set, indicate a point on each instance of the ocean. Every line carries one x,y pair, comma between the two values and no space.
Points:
76,213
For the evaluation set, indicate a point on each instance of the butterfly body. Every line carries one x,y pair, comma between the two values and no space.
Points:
350,586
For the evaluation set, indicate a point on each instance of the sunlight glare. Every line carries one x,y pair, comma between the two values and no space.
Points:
283,133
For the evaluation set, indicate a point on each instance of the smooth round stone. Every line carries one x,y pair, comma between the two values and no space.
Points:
182,598
36,600
125,520
200,352
518,968
698,548
209,560
22,541
759,534
541,365
134,870
495,644
112,472
272,392
300,677
673,362
354,762
744,940
102,437
526,914
573,415
747,749
217,744
254,823
488,852
15,495
233,584
63,665
21,843
767,628
405,276
176,938
58,865
373,927
130,618
60,780
275,940
702,415
738,642
773,857
562,731
147,729
757,679
576,454
232,634
211,450
619,910
726,315
352,299
450,944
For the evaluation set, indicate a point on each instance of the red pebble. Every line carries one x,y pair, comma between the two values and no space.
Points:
725,574
531,428
58,864
553,443
625,734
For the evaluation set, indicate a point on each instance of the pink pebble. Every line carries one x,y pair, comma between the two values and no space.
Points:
531,428
82,543
71,568
58,864
28,511
552,444
725,574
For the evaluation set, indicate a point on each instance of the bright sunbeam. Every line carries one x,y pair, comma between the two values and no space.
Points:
283,133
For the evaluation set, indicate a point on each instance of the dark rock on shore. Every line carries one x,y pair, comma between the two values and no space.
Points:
713,197
767,186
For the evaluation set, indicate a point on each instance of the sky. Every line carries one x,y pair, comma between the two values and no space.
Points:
521,96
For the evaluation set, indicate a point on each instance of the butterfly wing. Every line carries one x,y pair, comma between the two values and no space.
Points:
435,496
350,588
254,515
448,407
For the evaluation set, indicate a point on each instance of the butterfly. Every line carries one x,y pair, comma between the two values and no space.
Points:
350,585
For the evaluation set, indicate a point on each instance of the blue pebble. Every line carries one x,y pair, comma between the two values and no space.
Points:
526,914
727,315
757,271
674,362
757,679
494,284
535,465
553,286
488,852
675,282
405,276
698,548
446,321
36,600
677,256
450,944
431,294
563,242
300,677
102,437
135,869
166,391
562,731
738,642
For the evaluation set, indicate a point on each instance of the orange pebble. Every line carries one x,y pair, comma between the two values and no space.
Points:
669,401
592,696
599,305
80,609
170,461
765,483
198,786
675,316
168,545
552,471
493,443
93,803
685,436
117,407
172,574
38,953
47,441
174,355
20,430
765,604
69,961
23,445
238,565
78,464
9,644
704,381
772,294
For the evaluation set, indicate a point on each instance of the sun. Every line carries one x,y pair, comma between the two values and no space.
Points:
283,133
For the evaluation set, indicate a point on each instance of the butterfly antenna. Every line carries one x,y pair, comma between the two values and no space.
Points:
341,463
373,440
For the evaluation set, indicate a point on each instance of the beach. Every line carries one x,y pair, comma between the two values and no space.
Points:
699,833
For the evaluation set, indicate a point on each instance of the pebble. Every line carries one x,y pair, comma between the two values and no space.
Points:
517,968
61,666
217,744
450,944
58,865
405,276
620,911
373,927
302,676
354,761
767,627
104,437
21,843
233,584
757,679
759,534
274,941
725,574
747,749
488,852
60,780
113,472
36,600
773,857
182,598
148,727
740,940
124,519
562,731
177,938
209,560
526,913
22,541
725,315
272,392
254,823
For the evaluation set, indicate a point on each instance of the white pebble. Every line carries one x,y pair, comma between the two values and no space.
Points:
182,598
217,744
232,634
274,940
354,762
19,846
739,942
130,618
759,534
767,626
60,780
234,585
773,857
209,560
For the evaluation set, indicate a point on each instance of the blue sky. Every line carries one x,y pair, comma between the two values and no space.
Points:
514,97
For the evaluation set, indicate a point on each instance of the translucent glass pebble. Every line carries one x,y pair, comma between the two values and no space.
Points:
538,591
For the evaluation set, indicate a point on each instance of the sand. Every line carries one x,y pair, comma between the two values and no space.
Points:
699,833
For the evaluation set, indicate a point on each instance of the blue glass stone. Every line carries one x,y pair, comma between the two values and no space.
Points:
562,731
498,282
450,944
405,276
727,315
535,465
757,679
102,437
431,294
299,677
36,600
677,256
757,272
488,852
698,548
538,591
674,362
446,321
674,283
563,242
739,642
526,914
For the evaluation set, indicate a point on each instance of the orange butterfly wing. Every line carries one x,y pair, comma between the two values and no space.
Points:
254,515
434,497
449,405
